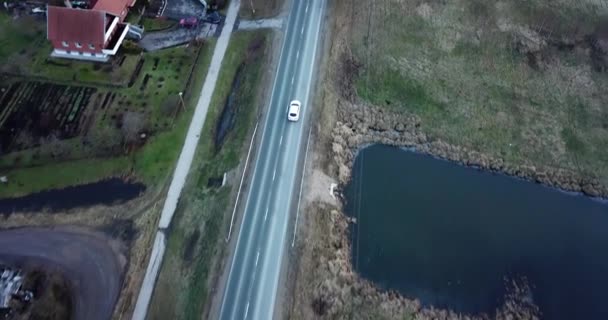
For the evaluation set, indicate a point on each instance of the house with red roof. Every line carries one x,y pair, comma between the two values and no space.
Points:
93,34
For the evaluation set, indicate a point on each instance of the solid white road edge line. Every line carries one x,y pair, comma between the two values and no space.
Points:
293,241
238,194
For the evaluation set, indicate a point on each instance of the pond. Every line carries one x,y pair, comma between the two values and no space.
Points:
449,235
109,192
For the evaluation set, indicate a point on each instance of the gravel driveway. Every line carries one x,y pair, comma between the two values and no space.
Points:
165,39
177,9
87,259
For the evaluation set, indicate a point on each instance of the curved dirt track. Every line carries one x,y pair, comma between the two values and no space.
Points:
89,260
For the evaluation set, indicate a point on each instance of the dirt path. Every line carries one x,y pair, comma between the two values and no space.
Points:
91,262
273,23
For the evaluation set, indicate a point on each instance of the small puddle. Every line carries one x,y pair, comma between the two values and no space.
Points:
228,116
107,192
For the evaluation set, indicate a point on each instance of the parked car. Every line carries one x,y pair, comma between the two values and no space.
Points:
188,22
213,17
294,111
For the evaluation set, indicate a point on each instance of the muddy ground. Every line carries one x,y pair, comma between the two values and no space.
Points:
92,263
83,118
125,228
379,89
52,296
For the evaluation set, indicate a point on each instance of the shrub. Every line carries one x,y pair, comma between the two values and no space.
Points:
130,47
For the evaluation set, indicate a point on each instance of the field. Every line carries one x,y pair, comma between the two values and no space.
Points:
90,120
522,82
16,36
518,80
196,236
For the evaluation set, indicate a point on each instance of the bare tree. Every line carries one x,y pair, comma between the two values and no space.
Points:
132,125
103,140
24,139
169,105
57,148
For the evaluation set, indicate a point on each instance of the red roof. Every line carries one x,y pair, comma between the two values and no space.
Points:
114,7
77,25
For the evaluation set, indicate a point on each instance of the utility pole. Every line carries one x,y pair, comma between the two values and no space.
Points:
181,100
182,104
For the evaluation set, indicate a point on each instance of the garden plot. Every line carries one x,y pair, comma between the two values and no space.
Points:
133,129
31,111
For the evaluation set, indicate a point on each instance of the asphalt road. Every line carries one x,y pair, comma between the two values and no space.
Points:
94,270
253,280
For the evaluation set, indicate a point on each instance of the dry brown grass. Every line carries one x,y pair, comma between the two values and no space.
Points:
52,297
260,9
492,76
519,80
317,226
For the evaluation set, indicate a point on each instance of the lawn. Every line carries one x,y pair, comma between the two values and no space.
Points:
115,73
196,236
159,154
16,36
105,149
25,51
156,24
523,81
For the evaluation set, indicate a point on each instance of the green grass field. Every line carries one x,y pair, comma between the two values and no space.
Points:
520,80
16,36
196,236
157,24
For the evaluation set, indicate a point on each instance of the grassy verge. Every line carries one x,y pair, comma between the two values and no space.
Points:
195,238
517,82
151,163
260,9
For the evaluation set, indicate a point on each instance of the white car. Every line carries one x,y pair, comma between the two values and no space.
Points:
294,110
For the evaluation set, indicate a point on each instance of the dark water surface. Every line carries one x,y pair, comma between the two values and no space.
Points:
108,192
448,235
